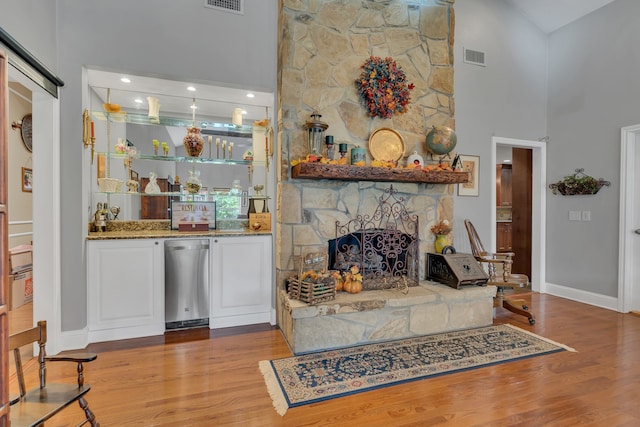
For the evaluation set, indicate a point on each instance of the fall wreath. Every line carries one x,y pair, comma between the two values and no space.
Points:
383,87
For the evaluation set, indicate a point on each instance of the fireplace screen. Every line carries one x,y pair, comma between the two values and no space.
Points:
384,245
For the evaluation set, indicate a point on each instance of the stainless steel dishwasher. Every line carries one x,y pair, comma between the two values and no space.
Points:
186,283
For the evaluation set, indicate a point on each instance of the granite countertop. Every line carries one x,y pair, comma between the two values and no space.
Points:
150,229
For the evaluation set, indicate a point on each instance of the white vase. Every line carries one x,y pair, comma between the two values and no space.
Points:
154,107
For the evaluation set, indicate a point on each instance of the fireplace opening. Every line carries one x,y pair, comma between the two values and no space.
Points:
383,245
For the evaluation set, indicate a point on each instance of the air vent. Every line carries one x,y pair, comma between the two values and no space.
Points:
233,6
474,57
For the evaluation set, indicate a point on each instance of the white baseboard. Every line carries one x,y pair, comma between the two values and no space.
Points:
116,334
578,295
74,340
241,320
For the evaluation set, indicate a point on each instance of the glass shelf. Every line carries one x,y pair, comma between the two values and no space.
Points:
206,126
184,159
183,195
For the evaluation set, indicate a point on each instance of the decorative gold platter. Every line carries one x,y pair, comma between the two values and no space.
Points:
386,144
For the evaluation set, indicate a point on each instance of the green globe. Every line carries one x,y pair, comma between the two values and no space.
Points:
441,140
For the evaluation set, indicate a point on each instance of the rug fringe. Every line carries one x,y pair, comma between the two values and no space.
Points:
566,347
275,392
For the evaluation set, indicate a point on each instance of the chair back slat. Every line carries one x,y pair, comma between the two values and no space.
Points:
476,244
37,334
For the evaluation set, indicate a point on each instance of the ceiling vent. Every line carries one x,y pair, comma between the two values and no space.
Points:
233,6
474,57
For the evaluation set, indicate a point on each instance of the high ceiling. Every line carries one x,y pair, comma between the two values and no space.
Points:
549,15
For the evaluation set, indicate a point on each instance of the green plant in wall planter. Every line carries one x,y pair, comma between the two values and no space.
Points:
577,184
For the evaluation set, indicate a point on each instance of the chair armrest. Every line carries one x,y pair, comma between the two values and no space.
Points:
505,254
496,261
78,358
73,357
499,255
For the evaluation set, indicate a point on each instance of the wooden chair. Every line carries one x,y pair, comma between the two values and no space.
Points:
498,267
34,407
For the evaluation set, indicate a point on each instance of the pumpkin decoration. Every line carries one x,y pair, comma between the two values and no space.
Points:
338,278
311,274
353,280
353,286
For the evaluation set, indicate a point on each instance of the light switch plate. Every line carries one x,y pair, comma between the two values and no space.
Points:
586,215
574,215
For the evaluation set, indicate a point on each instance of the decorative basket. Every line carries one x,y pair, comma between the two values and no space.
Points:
311,290
110,185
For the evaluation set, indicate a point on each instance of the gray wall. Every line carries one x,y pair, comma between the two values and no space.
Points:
507,98
175,39
593,92
33,24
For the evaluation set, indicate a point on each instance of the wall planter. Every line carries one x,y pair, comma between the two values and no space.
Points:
578,184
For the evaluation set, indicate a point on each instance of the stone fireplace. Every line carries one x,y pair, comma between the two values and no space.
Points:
322,47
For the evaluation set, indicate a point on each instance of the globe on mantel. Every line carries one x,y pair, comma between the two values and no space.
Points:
441,140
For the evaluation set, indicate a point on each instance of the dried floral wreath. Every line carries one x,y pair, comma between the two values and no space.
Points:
383,87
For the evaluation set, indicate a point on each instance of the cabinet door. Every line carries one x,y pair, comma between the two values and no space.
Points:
154,207
503,237
241,287
126,289
504,185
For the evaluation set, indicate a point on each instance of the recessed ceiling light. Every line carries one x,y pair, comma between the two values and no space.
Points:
250,95
125,80
244,112
191,88
138,101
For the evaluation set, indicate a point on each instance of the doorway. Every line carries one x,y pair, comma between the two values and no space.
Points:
629,240
45,199
537,151
19,190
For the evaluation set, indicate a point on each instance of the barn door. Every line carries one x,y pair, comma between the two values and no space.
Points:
4,250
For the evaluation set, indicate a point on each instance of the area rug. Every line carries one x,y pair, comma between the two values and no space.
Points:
301,380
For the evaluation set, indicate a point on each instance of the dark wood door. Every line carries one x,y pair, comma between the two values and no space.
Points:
4,246
521,216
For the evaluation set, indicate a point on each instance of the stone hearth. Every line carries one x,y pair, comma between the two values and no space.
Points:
382,315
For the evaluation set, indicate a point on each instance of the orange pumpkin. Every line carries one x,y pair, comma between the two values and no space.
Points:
353,286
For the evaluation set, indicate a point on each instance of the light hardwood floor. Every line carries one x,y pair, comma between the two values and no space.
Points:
211,378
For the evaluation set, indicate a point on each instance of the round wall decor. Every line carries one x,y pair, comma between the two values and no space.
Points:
25,132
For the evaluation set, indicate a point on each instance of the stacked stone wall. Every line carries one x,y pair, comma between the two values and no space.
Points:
322,46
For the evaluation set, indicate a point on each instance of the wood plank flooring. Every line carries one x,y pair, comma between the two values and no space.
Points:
211,378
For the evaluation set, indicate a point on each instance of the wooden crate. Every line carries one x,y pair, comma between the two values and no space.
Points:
324,289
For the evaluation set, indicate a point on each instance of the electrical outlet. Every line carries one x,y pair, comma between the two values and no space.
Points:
586,215
574,215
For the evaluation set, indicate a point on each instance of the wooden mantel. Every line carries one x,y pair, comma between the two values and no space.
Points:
308,170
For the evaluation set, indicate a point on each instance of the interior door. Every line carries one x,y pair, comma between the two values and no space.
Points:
4,247
521,221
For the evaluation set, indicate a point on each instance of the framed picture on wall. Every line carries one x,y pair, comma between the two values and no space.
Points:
470,164
27,180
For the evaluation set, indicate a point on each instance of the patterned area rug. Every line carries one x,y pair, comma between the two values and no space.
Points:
309,378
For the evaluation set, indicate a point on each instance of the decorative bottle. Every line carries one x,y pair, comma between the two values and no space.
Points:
193,142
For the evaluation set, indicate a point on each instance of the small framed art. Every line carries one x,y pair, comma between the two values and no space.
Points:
27,180
470,164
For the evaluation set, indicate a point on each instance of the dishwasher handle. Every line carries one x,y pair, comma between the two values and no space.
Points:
186,246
